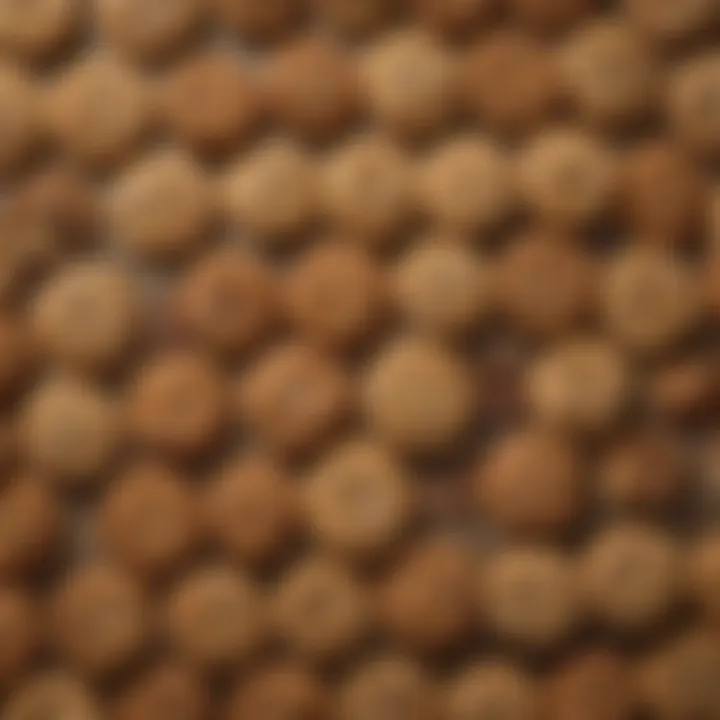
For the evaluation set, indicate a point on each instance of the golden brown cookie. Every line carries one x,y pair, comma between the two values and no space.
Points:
98,109
20,128
336,295
211,102
21,637
18,356
409,84
454,18
630,575
260,20
162,208
98,619
551,17
427,602
685,387
356,18
177,404
703,574
465,185
484,689
673,20
319,610
148,519
357,500
251,510
36,30
70,431
510,82
227,301
215,618
531,483
294,398
87,316
418,396
545,282
529,597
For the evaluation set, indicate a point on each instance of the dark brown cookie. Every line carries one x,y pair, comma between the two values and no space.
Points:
260,20
454,19
685,388
357,18
177,404
21,637
149,520
19,118
510,82
703,575
211,102
672,22
251,510
336,295
99,620
18,356
551,17
319,611
357,500
294,398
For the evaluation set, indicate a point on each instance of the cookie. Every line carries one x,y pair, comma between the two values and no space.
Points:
148,519
485,688
418,397
35,31
70,431
649,299
294,398
545,283
582,384
465,185
529,598
251,510
227,302
177,404
357,500
215,618
427,602
408,77
356,18
530,483
551,18
18,618
367,190
260,20
312,89
146,32
672,22
162,208
336,296
630,576
56,693
454,19
99,619
319,611
566,177
210,102
19,119
98,110
510,82
611,75
683,388
703,574
31,532
18,356
272,192
87,316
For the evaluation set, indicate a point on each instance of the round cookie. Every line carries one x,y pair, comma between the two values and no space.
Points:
18,625
148,519
356,18
630,575
673,20
427,602
260,20
357,500
56,693
294,398
528,597
465,185
482,690
335,295
227,301
177,404
566,177
319,611
409,85
454,19
272,192
545,282
531,483
210,102
312,89
18,356
418,396
148,31
162,208
581,384
87,315
215,618
683,388
251,510
70,431
99,110
366,188
551,18
20,131
510,82
36,30
703,575
99,621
